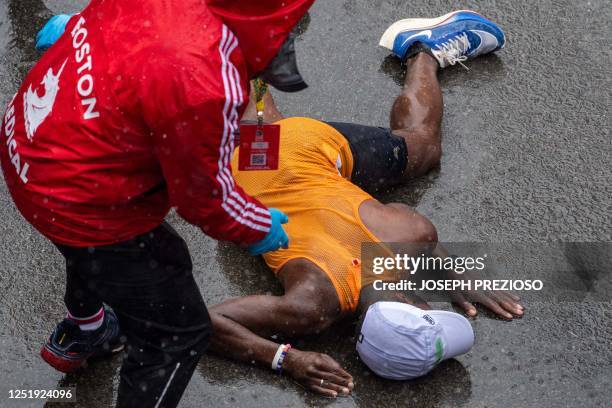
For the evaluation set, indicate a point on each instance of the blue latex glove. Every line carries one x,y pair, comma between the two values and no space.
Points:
52,31
276,238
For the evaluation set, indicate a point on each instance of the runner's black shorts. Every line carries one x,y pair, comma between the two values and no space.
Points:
379,156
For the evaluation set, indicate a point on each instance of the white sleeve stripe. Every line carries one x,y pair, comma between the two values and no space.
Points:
237,75
232,120
249,205
243,206
241,220
225,109
239,211
249,214
229,84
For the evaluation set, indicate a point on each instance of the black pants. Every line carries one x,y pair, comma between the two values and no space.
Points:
149,284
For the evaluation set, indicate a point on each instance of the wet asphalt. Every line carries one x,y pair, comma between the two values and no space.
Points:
526,158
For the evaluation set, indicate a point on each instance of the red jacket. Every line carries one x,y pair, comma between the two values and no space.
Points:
133,111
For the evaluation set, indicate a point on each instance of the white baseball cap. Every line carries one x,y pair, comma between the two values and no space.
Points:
399,341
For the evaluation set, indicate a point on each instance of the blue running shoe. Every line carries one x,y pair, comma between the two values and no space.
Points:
450,39
69,348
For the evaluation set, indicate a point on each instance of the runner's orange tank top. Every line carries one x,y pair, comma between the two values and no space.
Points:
312,187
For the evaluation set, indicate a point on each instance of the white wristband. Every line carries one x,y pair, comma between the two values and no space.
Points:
277,356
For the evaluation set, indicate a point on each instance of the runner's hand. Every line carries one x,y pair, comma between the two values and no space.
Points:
277,237
504,304
52,31
309,368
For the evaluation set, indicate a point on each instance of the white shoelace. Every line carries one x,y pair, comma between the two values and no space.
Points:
453,51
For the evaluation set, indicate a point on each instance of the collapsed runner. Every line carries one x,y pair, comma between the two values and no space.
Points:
325,173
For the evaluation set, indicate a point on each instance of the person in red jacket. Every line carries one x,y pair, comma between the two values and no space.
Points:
131,112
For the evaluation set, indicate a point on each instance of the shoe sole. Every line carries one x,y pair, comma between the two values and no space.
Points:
66,365
410,24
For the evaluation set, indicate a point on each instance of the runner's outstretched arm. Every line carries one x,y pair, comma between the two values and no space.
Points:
310,304
232,339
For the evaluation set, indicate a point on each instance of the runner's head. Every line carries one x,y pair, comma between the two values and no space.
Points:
399,341
264,31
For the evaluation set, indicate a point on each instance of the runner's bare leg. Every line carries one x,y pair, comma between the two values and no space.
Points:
416,115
